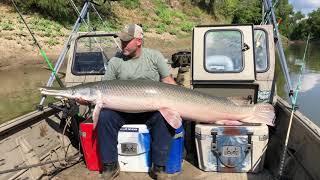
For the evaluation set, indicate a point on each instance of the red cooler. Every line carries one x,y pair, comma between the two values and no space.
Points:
89,143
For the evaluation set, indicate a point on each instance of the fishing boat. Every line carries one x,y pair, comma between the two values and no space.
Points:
234,61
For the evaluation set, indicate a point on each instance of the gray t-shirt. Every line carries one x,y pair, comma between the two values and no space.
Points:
150,65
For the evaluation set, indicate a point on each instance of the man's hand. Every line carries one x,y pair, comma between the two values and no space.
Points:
82,101
168,80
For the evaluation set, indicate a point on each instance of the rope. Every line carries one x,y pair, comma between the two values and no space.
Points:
41,51
294,100
104,24
38,164
267,14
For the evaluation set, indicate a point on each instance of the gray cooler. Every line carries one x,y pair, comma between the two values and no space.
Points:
231,148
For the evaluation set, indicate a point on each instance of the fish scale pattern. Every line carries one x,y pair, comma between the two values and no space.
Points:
142,96
156,94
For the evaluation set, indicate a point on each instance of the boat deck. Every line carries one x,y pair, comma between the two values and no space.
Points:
189,171
40,140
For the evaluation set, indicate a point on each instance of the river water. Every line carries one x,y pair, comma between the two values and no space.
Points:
19,91
19,87
309,94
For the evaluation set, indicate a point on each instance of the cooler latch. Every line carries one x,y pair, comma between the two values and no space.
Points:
214,147
249,145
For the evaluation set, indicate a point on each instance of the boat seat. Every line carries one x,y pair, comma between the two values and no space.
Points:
88,63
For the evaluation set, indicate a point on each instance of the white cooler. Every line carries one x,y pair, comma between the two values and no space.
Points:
134,148
231,148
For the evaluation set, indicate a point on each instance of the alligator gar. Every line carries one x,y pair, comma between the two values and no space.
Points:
174,102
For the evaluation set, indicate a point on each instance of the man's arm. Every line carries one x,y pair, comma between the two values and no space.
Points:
163,69
168,80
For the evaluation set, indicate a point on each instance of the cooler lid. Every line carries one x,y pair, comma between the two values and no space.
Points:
256,129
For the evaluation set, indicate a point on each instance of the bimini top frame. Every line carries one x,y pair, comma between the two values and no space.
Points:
75,29
270,17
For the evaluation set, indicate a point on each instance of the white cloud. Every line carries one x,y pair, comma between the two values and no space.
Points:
306,6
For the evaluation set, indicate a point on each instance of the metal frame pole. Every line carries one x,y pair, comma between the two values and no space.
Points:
283,62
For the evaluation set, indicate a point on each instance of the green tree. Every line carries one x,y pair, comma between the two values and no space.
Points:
234,11
224,7
248,11
297,16
299,30
297,26
300,27
219,8
284,11
314,23
58,9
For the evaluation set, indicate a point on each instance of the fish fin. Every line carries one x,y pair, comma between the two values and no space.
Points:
172,117
263,113
228,122
96,114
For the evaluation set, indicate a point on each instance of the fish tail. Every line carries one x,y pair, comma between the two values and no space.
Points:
263,113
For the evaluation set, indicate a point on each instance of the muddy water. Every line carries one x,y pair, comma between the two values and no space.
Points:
19,90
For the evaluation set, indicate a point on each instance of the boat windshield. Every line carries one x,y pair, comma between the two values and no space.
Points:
261,55
223,51
92,54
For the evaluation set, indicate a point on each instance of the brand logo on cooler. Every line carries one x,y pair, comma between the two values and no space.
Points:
129,129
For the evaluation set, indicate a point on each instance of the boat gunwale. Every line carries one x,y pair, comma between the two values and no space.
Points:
21,122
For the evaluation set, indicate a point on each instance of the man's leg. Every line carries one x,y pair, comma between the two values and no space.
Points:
108,127
161,134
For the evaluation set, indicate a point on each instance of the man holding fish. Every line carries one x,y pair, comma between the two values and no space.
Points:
134,62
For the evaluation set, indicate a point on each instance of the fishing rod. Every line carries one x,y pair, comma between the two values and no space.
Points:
41,50
294,108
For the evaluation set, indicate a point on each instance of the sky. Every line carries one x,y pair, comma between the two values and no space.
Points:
305,6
